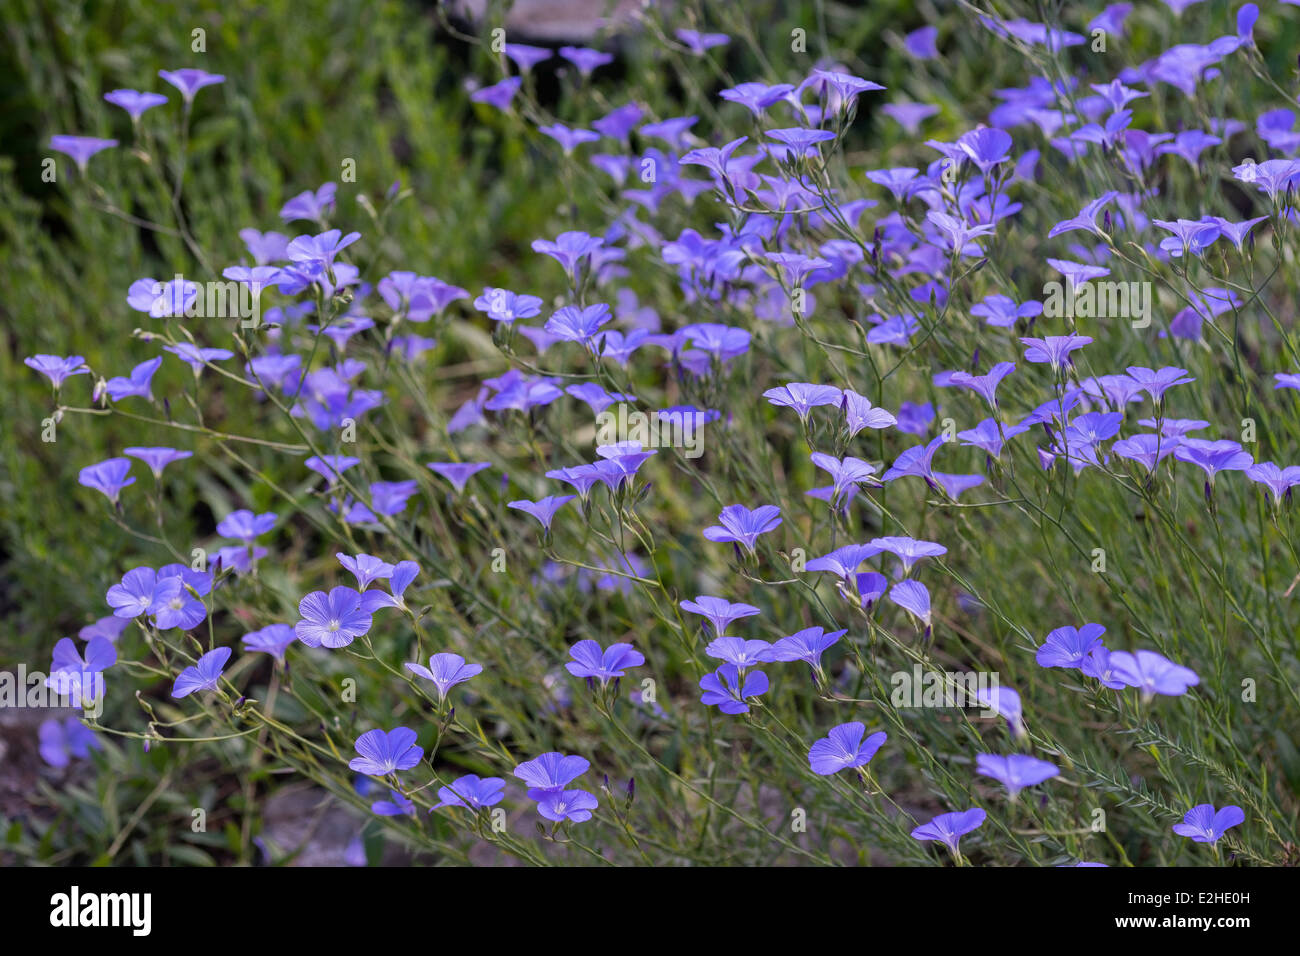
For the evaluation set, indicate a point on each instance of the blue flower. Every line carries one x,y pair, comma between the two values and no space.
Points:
384,752
843,748
743,526
395,806
1015,772
471,792
446,670
591,662
948,828
723,689
204,675
1204,824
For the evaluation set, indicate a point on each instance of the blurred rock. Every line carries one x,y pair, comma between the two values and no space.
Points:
553,21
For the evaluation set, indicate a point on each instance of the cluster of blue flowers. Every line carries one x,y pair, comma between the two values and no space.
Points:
787,237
